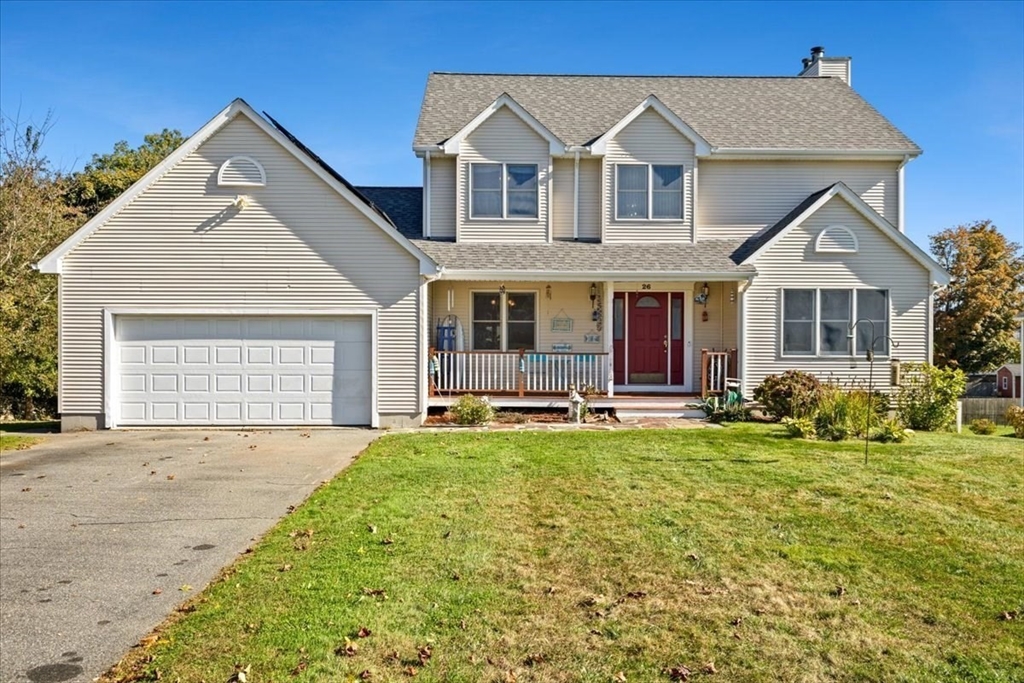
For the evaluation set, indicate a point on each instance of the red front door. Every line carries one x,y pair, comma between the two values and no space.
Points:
648,338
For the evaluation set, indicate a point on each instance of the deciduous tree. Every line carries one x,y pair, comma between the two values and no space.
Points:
108,175
974,315
33,219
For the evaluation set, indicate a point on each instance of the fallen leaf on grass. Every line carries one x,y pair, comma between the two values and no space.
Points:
366,675
637,595
409,671
300,667
534,660
424,654
678,673
185,588
387,541
620,677
149,641
364,632
285,568
839,591
349,649
1009,616
371,528
737,621
709,668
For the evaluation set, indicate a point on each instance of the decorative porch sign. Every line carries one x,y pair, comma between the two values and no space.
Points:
592,338
561,348
561,322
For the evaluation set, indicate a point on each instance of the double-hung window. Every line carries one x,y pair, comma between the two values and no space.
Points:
648,191
503,191
504,321
817,322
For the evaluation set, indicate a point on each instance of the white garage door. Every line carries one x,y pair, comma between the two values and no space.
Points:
234,370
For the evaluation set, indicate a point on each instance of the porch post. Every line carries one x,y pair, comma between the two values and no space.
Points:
608,310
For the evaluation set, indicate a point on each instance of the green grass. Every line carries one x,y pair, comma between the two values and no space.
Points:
576,556
10,442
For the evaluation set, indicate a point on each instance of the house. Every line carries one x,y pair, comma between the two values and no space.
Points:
621,235
1008,379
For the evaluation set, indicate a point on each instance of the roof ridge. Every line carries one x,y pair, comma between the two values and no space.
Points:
659,76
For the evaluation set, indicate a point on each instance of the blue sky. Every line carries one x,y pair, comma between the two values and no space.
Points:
347,78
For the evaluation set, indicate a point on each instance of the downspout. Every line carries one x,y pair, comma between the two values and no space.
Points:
899,198
426,195
576,197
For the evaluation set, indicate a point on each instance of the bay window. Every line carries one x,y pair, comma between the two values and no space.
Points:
816,322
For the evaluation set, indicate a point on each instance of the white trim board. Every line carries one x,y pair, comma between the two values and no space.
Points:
53,262
453,144
701,146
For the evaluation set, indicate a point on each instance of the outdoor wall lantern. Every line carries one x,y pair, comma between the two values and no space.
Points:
593,295
702,298
547,292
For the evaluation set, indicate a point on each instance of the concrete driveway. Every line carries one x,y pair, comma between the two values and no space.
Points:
101,533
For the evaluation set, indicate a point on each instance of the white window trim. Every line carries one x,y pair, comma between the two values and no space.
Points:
818,248
503,318
241,157
504,192
650,194
854,353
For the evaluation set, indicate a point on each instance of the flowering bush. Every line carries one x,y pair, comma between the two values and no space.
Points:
928,396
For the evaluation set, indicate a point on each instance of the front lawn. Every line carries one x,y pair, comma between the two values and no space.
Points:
629,555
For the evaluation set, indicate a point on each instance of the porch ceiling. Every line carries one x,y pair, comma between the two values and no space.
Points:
708,259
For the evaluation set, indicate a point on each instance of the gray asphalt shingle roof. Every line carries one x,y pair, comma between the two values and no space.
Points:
729,112
404,207
708,256
763,237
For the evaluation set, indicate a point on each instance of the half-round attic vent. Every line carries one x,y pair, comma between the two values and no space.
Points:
836,239
241,171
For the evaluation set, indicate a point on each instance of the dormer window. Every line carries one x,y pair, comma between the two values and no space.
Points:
648,191
503,190
241,171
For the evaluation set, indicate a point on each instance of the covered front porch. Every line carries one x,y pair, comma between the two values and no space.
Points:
524,343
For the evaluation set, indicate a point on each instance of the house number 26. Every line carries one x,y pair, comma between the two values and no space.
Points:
645,285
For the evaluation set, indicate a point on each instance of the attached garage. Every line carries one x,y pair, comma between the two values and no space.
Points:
242,370
241,282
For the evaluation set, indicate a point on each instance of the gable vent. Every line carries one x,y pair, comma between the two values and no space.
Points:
241,171
836,239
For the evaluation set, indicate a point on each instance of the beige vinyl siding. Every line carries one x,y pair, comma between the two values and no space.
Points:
590,199
649,139
792,263
503,138
719,332
562,196
570,299
442,197
298,244
836,68
738,198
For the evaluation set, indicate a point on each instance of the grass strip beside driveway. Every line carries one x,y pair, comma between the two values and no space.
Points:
734,553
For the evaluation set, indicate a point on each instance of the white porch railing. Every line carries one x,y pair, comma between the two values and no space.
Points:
497,372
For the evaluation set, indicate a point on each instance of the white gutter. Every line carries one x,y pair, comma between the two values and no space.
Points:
426,194
894,154
899,199
618,276
576,197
